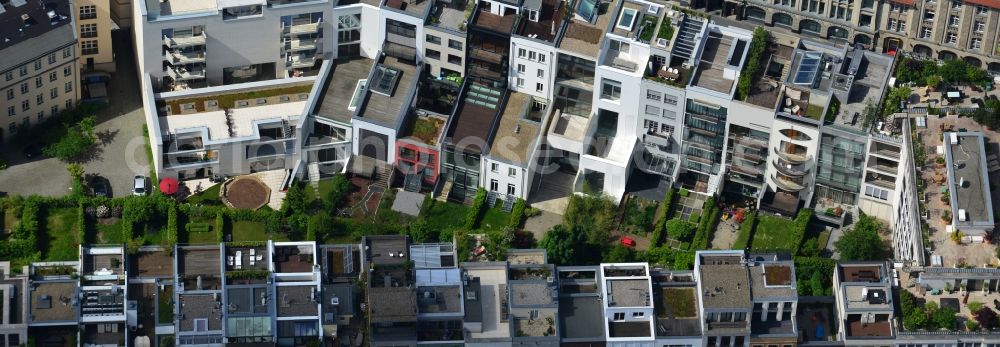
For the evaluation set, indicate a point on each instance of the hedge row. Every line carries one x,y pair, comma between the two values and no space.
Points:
706,225
801,223
81,224
171,238
220,224
661,220
472,218
517,214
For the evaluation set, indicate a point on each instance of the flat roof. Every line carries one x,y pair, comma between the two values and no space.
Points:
677,311
28,21
866,273
53,301
628,293
968,181
392,304
584,37
339,88
200,309
386,108
246,300
493,298
515,135
725,286
531,294
710,72
773,280
495,22
629,329
551,14
472,124
449,15
439,299
297,301
581,317
867,297
416,8
152,263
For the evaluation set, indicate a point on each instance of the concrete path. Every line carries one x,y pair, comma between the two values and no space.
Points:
541,223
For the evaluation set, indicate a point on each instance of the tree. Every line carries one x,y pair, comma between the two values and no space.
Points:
422,232
861,242
295,199
319,226
340,188
816,284
77,141
679,229
562,243
620,254
915,319
944,318
986,317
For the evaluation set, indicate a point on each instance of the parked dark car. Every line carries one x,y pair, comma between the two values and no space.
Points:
32,151
100,187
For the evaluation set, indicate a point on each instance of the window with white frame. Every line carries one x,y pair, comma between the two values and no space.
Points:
512,172
956,5
520,82
494,167
627,18
892,24
539,87
951,38
619,316
925,32
611,90
980,26
541,73
953,21
902,26
520,68
620,46
982,10
877,193
653,95
976,43
532,55
521,52
929,15
652,110
10,94
88,47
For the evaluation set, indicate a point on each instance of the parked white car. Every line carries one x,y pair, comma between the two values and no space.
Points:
139,185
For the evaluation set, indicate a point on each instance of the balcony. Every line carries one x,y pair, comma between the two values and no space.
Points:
184,41
486,55
300,45
789,169
184,57
185,74
798,157
829,211
301,61
620,61
880,181
190,158
304,28
787,183
657,139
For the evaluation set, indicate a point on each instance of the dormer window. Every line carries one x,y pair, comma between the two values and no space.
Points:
627,19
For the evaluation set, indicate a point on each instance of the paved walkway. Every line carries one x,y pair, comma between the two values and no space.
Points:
273,179
541,223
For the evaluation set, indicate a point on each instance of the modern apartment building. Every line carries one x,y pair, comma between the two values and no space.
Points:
14,319
627,300
940,29
41,66
864,299
94,23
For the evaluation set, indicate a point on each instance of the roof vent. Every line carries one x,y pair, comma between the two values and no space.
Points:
517,129
962,215
25,19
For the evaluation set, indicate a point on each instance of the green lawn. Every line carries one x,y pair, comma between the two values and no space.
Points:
494,218
109,233
774,233
251,231
208,196
447,215
165,314
60,235
201,237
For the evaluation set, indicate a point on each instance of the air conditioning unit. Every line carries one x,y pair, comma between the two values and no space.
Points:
962,215
954,138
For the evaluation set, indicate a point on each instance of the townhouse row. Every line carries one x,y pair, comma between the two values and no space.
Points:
528,99
386,291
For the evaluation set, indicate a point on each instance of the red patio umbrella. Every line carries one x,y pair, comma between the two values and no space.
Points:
169,185
628,241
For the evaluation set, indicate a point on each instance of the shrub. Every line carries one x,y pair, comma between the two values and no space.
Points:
77,140
746,231
171,238
706,225
319,226
295,199
220,224
472,218
975,306
341,188
680,230
81,224
753,69
957,236
517,214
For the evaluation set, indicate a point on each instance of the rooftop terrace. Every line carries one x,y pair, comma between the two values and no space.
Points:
392,304
677,312
387,250
53,302
492,301
725,286
628,293
439,299
495,22
475,116
549,23
293,259
860,273
416,8
711,73
198,261
629,329
152,264
449,14
531,294
247,300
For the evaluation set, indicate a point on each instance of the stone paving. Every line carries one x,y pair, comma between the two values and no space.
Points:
936,178
274,179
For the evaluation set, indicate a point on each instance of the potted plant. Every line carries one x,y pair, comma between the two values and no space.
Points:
940,162
946,216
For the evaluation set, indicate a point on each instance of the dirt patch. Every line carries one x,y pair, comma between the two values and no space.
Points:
247,192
